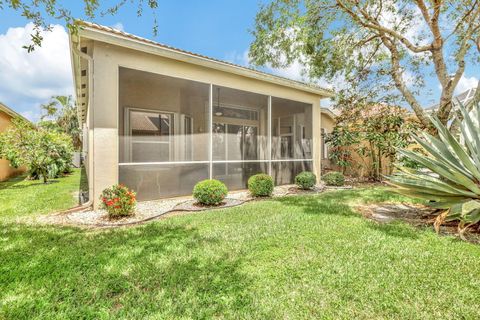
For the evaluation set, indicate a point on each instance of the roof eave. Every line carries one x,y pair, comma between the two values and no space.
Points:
12,112
135,44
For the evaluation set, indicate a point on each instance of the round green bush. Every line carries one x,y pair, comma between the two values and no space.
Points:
260,185
210,192
334,178
305,180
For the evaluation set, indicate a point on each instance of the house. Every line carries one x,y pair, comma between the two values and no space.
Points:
327,125
159,119
465,98
6,117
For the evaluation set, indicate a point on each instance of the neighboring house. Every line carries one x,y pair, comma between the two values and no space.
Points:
328,123
464,98
159,119
6,116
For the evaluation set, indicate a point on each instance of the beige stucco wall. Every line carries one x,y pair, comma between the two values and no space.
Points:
103,114
328,123
6,171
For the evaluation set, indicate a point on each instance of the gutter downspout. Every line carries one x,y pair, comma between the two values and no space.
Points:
76,51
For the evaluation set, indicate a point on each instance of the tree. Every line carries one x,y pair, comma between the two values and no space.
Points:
61,114
383,43
370,130
45,153
39,11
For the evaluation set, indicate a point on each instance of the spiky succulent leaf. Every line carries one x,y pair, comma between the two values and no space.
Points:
451,179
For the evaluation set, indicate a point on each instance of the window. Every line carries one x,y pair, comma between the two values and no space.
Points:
150,134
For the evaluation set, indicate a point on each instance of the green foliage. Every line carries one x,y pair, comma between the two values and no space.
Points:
451,180
42,12
341,142
371,45
45,153
334,178
61,114
373,131
260,185
118,200
305,180
210,192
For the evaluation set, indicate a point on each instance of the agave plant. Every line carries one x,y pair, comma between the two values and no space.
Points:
450,179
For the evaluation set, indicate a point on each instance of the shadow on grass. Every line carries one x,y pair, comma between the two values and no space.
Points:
32,184
396,229
12,182
340,203
155,269
328,203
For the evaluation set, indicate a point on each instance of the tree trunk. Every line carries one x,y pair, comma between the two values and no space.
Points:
379,166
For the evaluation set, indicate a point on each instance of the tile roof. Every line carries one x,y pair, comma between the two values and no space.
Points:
111,30
463,97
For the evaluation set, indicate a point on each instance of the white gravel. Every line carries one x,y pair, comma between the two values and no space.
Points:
147,210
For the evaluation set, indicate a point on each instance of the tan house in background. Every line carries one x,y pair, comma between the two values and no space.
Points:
328,123
6,116
159,119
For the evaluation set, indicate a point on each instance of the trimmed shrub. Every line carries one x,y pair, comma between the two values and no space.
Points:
118,200
260,185
305,180
210,192
334,178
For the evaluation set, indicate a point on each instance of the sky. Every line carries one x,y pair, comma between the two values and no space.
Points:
216,28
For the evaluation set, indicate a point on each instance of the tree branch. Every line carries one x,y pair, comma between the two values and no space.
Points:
447,92
371,23
400,84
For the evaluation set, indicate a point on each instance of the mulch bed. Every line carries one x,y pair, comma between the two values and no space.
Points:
416,215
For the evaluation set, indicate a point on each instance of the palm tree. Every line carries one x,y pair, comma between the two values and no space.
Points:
64,113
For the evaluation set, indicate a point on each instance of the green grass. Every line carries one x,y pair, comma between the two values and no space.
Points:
20,197
290,258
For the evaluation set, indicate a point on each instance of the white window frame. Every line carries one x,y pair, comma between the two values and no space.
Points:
128,132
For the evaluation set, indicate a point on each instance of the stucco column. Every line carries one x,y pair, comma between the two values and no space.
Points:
105,121
317,135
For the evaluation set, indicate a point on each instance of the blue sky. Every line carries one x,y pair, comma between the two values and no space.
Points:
214,28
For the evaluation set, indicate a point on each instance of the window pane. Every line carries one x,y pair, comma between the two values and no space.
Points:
291,129
240,124
162,180
235,175
162,119
284,172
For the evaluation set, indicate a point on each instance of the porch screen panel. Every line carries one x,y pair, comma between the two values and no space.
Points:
162,120
235,175
284,172
291,129
240,125
154,181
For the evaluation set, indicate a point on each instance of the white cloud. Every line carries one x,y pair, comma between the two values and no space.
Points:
30,79
118,26
466,83
293,71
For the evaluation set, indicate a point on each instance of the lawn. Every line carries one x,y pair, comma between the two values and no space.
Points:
288,258
20,197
